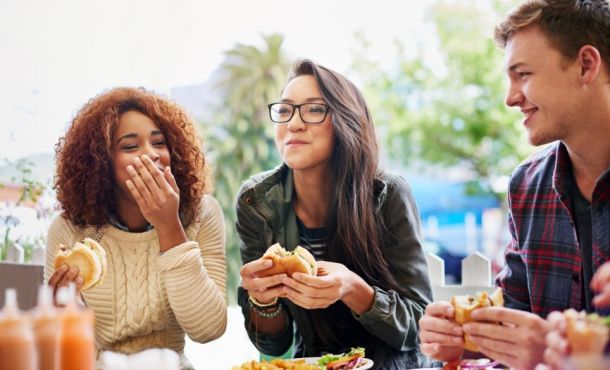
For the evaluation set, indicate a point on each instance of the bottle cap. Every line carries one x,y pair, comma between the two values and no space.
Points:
45,296
62,296
10,302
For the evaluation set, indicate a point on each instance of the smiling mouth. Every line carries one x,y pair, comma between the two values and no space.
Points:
527,114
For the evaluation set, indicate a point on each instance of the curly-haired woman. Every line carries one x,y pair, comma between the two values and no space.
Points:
361,222
131,175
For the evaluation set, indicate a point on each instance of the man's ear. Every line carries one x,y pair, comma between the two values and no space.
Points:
590,62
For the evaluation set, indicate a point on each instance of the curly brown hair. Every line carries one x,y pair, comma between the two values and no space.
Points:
84,179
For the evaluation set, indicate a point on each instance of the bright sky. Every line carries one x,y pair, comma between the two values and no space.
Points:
58,54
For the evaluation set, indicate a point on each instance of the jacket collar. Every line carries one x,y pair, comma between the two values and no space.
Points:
275,191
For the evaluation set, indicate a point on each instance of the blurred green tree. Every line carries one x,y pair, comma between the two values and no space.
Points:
30,192
241,135
445,104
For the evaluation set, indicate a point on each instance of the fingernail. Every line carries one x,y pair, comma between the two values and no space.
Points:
474,315
267,263
63,268
80,280
297,276
130,168
73,269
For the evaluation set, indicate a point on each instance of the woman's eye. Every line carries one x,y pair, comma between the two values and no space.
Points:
159,143
129,147
317,109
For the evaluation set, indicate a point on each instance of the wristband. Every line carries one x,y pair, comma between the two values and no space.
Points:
256,304
266,313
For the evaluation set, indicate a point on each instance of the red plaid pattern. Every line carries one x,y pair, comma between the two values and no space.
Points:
543,270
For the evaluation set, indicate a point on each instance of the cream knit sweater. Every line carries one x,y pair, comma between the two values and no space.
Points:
150,300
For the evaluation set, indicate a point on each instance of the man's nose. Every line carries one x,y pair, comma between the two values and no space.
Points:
514,97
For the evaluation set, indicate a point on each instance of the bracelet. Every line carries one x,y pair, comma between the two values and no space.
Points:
268,314
256,304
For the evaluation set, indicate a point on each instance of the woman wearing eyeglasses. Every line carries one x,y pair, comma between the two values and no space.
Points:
361,223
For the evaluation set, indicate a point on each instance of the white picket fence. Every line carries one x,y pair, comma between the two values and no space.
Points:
476,276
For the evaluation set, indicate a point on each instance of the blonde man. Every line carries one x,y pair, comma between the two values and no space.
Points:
556,58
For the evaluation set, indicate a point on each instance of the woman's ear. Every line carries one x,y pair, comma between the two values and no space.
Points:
590,62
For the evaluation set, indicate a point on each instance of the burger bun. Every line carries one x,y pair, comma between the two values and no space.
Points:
289,262
90,259
464,305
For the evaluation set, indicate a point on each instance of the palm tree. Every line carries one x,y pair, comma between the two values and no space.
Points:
241,138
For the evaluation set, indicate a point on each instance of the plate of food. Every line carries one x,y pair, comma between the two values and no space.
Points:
363,364
354,359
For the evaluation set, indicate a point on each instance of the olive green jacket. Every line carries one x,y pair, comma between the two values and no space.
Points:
389,330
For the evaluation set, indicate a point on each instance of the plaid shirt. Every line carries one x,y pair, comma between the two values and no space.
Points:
544,267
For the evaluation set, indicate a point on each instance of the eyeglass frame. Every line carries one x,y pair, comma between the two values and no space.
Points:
294,108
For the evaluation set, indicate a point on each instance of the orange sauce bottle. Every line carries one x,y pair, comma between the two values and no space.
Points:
46,330
17,349
77,343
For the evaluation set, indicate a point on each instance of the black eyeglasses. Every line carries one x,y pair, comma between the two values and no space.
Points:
312,113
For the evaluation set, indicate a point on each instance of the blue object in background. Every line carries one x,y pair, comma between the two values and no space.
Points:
449,204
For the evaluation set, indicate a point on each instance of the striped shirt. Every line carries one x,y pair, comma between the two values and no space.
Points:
544,264
313,239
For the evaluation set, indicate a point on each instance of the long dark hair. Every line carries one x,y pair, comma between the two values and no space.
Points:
355,233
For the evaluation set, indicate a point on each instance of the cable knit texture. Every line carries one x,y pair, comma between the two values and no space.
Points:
151,300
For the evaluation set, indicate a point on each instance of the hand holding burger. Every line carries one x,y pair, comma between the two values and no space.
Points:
587,334
579,335
86,260
289,262
466,304
262,278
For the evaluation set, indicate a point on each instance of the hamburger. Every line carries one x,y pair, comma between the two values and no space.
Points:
464,305
289,262
587,334
90,259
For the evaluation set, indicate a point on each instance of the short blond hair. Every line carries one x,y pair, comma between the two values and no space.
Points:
569,24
